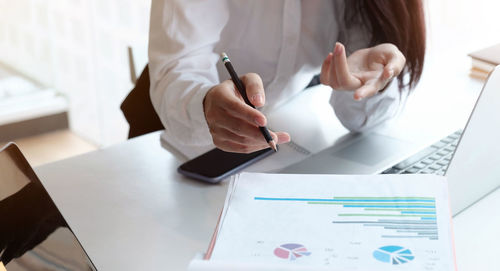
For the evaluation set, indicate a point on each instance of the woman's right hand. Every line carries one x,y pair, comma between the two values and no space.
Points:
234,125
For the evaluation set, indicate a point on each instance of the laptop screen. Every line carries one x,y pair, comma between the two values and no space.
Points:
33,233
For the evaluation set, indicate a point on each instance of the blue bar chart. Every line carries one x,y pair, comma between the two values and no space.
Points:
400,217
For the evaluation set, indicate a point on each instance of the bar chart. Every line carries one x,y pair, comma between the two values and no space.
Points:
400,217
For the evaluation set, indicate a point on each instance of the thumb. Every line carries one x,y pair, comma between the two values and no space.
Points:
280,137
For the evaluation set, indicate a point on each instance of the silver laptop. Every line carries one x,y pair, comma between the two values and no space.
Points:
33,233
469,158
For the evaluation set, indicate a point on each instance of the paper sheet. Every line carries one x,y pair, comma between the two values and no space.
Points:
375,222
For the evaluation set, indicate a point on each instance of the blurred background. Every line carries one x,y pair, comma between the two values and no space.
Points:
65,66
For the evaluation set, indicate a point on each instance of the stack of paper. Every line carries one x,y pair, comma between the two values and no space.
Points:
333,222
484,61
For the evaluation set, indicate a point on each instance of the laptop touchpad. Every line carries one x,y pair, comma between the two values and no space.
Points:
371,150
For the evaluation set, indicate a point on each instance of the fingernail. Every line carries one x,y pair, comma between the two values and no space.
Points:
391,73
337,49
258,99
260,122
358,97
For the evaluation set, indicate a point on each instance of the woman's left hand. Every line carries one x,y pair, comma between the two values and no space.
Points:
366,71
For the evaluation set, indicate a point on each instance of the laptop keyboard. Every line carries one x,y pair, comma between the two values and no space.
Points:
432,160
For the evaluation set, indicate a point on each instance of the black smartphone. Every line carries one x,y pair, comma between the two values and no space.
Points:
215,165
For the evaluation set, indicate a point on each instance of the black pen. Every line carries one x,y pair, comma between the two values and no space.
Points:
241,88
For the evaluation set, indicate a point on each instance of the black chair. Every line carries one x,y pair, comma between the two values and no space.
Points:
138,109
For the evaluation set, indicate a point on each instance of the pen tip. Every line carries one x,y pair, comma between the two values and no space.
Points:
273,145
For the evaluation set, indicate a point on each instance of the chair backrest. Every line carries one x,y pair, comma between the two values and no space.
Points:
138,109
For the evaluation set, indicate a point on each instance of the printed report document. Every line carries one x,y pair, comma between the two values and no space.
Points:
333,222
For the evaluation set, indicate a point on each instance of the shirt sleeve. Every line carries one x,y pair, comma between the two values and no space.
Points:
359,116
182,64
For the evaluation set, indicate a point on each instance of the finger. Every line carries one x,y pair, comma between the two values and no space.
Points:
230,101
282,137
229,141
384,78
243,111
324,77
332,72
388,73
373,86
239,127
345,79
254,89
367,90
226,134
395,61
231,146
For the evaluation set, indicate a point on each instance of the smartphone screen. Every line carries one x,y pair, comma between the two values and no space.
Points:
215,165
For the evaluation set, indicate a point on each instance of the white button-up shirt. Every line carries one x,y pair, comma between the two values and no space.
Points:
284,41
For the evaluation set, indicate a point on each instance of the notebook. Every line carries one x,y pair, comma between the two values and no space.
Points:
484,61
333,222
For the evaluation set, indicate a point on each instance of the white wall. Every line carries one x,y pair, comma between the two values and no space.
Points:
458,27
79,48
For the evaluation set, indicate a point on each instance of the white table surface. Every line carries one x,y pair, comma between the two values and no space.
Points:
132,211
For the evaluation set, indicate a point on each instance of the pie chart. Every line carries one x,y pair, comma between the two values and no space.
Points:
393,255
291,251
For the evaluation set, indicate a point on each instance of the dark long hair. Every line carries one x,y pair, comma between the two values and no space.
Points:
400,22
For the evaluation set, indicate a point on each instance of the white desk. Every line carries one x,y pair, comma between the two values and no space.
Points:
132,211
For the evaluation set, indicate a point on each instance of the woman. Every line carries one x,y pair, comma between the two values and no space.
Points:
356,46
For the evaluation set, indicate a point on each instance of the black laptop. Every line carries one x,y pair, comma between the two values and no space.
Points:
33,233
